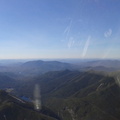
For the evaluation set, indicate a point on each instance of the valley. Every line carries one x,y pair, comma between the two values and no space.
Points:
66,93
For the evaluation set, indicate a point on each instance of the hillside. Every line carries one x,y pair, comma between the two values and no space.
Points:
96,100
6,80
75,95
12,108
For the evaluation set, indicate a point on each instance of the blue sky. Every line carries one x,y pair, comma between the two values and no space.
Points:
59,29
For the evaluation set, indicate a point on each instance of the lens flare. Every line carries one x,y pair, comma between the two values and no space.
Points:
37,98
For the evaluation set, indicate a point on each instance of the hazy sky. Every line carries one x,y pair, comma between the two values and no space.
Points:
59,29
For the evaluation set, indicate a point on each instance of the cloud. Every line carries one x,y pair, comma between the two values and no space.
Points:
108,33
86,46
71,42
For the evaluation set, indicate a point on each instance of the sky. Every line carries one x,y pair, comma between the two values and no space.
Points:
35,29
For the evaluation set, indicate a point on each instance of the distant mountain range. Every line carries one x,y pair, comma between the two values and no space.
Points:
105,63
37,67
33,68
